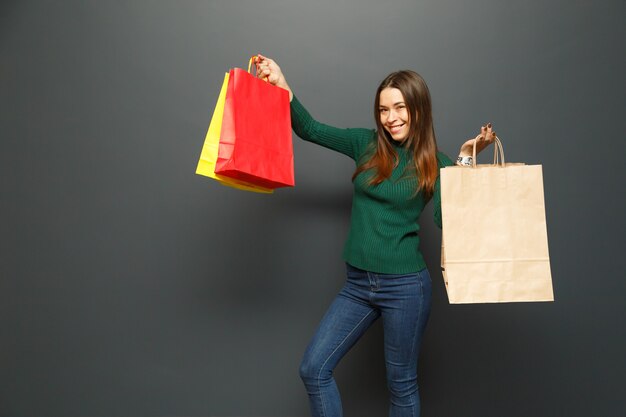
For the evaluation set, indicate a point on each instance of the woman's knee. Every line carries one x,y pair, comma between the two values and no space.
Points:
311,369
308,369
402,389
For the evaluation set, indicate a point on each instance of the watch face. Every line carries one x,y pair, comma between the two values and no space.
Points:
464,160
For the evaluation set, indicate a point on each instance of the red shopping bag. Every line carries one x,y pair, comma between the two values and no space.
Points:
208,156
255,139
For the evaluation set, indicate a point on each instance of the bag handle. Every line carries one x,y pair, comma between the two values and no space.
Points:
498,153
250,62
250,66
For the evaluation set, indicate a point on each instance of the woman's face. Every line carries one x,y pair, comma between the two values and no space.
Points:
394,114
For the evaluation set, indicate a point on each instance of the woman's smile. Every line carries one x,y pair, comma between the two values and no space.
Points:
394,115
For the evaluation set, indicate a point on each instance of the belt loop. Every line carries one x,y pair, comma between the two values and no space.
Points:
373,278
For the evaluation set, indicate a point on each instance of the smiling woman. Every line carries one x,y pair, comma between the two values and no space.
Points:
393,114
403,114
397,173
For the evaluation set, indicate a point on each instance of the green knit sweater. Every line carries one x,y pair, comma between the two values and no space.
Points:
384,225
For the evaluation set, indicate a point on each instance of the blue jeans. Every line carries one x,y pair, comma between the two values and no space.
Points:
403,301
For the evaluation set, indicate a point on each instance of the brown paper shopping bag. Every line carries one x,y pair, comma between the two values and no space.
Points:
494,235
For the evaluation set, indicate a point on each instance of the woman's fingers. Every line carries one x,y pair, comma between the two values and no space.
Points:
486,129
485,140
262,66
488,133
262,70
481,141
262,59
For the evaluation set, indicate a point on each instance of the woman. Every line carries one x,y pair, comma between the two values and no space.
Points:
397,173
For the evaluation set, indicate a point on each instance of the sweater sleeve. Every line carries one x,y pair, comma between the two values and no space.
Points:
443,161
350,142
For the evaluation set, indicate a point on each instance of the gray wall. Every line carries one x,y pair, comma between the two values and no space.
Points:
131,286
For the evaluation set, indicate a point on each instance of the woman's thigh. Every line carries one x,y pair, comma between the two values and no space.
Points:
405,305
345,321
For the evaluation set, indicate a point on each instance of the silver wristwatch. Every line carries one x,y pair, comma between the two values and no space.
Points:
464,161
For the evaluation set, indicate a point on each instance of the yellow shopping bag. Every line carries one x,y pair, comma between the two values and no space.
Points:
208,157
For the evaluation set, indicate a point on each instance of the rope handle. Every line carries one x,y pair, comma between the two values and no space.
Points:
498,153
252,58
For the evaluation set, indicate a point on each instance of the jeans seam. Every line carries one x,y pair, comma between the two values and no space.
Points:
319,388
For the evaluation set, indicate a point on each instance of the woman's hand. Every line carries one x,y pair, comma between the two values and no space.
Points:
268,70
486,137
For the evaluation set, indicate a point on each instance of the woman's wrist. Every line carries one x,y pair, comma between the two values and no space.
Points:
286,87
465,156
283,84
466,151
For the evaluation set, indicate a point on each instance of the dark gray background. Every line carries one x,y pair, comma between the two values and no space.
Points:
132,287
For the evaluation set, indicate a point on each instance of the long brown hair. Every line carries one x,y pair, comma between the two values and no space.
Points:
421,140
